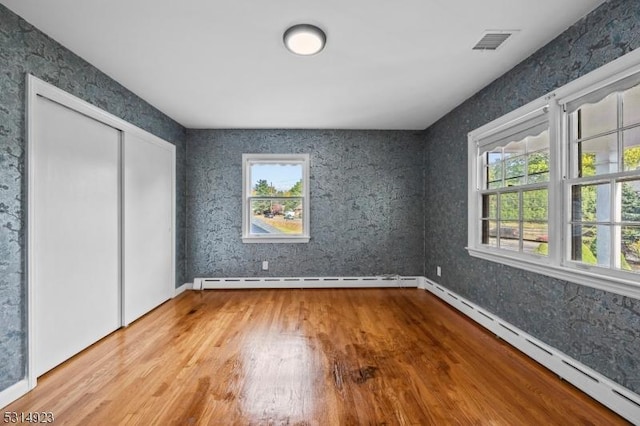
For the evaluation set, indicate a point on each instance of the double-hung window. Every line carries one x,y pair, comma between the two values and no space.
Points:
513,186
275,198
604,183
554,187
511,174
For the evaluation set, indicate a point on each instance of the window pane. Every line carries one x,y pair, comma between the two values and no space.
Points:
510,206
509,235
535,205
631,140
538,143
591,203
630,201
514,172
631,106
515,148
536,238
599,117
494,157
490,206
591,244
599,156
277,216
538,167
489,232
276,179
495,185
630,249
494,169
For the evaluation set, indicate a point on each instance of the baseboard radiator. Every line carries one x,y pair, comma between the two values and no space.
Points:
305,282
609,393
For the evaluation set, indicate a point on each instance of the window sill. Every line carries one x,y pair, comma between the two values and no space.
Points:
276,240
587,277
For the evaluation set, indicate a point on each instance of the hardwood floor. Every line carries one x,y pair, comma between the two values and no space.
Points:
326,357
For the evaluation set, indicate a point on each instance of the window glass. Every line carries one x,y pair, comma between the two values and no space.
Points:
630,249
535,237
631,154
535,204
631,106
598,156
584,248
276,198
494,169
490,206
598,118
277,216
538,167
591,203
518,163
630,192
509,206
272,215
276,179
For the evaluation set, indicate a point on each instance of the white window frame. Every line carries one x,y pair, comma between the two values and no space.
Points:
250,159
558,263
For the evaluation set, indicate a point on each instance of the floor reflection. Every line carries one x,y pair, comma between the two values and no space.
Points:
280,374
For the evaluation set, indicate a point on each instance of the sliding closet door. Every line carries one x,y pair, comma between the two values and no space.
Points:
75,226
148,225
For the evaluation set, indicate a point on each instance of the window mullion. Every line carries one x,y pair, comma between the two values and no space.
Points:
521,221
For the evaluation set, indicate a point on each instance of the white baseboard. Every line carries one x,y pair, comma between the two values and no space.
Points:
609,393
305,282
184,287
13,392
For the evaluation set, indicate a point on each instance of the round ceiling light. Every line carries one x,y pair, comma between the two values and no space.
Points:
304,39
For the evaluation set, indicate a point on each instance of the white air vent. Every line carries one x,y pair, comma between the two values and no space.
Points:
492,40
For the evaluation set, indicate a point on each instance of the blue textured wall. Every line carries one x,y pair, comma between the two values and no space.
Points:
600,329
24,49
366,203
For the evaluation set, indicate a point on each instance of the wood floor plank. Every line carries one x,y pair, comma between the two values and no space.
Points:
307,357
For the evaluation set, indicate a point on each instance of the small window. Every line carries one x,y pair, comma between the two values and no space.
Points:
275,198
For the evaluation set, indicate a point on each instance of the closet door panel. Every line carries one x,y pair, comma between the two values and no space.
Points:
148,225
76,232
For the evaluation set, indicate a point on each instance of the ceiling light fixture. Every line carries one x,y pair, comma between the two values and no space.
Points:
304,39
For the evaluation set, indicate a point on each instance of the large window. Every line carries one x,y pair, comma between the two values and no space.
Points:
604,188
555,185
276,198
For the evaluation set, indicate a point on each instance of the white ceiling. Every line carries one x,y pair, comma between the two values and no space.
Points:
222,64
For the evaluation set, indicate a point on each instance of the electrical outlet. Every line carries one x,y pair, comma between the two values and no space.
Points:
438,271
265,265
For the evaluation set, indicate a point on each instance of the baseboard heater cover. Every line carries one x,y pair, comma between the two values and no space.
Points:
618,398
305,282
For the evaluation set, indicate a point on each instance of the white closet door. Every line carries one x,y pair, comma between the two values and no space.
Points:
76,249
148,225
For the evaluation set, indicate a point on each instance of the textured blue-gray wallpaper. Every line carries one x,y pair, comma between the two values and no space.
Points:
366,203
24,49
599,329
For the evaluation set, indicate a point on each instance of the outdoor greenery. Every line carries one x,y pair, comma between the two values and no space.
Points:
587,200
289,201
505,170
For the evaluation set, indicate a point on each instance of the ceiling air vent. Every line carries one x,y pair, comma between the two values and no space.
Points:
492,40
